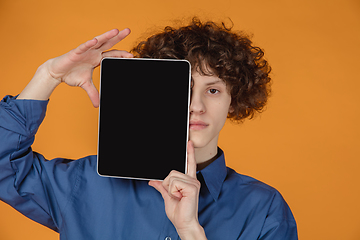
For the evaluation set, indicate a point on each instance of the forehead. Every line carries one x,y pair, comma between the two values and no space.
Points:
201,79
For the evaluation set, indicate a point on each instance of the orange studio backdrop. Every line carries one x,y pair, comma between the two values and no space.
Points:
306,144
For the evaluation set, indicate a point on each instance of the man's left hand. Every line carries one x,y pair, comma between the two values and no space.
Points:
181,197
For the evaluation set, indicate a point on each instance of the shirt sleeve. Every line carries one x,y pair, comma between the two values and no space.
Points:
279,223
28,182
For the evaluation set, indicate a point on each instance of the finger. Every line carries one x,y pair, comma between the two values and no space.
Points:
117,53
86,46
176,181
176,188
169,184
96,41
92,92
160,188
111,40
101,39
191,162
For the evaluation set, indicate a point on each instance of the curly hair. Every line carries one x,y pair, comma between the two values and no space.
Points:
213,49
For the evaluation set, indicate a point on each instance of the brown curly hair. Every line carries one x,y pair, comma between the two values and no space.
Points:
213,49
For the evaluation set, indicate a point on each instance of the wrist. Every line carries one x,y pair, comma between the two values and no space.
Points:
41,85
44,73
194,233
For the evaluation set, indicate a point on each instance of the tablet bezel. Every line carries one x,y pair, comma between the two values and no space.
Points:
188,113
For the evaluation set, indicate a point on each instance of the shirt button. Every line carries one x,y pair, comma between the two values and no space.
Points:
168,238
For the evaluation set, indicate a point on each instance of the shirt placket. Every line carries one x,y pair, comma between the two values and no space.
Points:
169,231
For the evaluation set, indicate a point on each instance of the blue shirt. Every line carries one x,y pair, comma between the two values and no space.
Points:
71,198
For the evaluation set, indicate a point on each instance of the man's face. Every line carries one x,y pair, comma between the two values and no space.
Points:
209,107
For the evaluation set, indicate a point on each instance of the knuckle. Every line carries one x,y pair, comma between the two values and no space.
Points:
174,172
197,184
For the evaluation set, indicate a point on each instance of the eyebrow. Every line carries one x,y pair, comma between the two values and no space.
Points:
211,83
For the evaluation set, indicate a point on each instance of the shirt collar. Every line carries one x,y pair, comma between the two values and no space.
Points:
214,175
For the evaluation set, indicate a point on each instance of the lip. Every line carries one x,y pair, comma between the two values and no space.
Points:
197,125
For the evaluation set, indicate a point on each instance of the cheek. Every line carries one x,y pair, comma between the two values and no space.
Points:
220,114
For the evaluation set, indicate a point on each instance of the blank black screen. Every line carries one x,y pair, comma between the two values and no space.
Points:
143,119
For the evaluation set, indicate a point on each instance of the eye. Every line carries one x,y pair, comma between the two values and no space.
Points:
213,91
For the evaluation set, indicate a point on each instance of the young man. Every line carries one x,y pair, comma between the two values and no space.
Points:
230,78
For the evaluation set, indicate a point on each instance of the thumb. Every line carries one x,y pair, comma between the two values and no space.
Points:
92,92
159,187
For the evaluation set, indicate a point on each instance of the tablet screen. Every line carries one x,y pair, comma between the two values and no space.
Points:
143,117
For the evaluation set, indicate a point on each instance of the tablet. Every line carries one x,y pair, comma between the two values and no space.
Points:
143,117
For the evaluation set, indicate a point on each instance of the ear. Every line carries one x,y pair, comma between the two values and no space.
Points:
231,109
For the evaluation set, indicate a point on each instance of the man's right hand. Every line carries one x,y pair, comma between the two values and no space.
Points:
75,68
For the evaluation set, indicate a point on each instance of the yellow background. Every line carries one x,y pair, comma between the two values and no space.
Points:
306,144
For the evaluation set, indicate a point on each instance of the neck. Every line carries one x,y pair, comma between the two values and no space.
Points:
205,155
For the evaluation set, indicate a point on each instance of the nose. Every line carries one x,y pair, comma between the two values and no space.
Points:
196,104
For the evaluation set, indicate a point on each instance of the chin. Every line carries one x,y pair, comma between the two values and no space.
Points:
199,142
